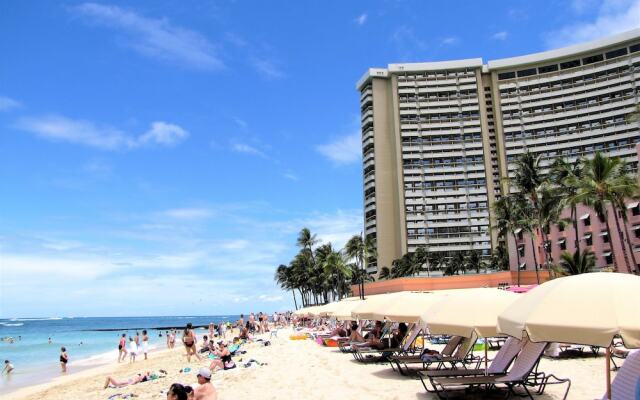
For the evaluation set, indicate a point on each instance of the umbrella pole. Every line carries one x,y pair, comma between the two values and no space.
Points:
486,361
608,358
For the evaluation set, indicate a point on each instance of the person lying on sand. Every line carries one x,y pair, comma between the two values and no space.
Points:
119,383
205,390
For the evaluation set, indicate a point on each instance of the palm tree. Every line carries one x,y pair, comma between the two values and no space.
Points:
528,180
621,209
510,218
577,263
604,182
337,271
473,261
550,207
499,258
435,260
420,258
283,278
565,177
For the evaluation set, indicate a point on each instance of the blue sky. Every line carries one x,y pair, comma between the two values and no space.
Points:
159,158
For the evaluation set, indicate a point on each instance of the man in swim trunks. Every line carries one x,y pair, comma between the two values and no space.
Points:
8,367
205,390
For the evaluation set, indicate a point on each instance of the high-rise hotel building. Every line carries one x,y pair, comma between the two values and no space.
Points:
439,137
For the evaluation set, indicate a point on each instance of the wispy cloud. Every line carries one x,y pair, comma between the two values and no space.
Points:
407,43
240,122
189,214
613,16
344,150
361,19
502,35
7,103
156,38
450,40
291,176
268,68
247,149
63,129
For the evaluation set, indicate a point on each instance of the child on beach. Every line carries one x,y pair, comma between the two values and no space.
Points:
64,359
145,343
133,349
8,367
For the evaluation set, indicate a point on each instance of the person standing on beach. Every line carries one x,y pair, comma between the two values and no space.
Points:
122,350
8,367
137,339
145,343
189,341
133,350
240,323
64,359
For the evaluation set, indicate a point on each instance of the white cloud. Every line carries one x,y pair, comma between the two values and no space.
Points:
240,122
63,129
188,213
291,176
156,38
344,150
450,40
246,149
502,35
613,16
267,68
164,133
361,19
7,103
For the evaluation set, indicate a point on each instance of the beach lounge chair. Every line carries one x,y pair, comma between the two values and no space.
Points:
463,346
366,353
519,375
447,351
499,365
626,384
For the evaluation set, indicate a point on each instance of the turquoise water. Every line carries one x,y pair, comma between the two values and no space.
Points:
34,357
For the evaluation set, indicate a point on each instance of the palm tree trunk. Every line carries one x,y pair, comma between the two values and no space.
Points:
574,220
535,260
515,240
293,292
622,242
613,251
630,245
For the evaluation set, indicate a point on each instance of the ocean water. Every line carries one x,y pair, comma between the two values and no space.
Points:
36,360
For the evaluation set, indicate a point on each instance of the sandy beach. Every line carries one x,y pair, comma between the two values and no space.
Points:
294,370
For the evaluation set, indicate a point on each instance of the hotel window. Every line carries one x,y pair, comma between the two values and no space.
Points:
635,208
521,250
636,229
605,237
586,219
562,243
608,259
588,238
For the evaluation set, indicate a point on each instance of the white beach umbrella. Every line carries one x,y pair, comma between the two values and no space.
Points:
406,306
585,309
368,307
329,309
469,311
342,311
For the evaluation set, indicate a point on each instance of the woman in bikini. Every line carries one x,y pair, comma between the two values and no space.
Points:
224,360
116,383
189,340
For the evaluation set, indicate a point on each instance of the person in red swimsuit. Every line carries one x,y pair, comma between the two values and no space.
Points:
122,347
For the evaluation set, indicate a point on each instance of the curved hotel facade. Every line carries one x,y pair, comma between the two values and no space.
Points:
438,138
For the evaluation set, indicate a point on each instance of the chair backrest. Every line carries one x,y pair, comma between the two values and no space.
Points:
465,346
626,384
525,362
451,346
408,340
505,356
